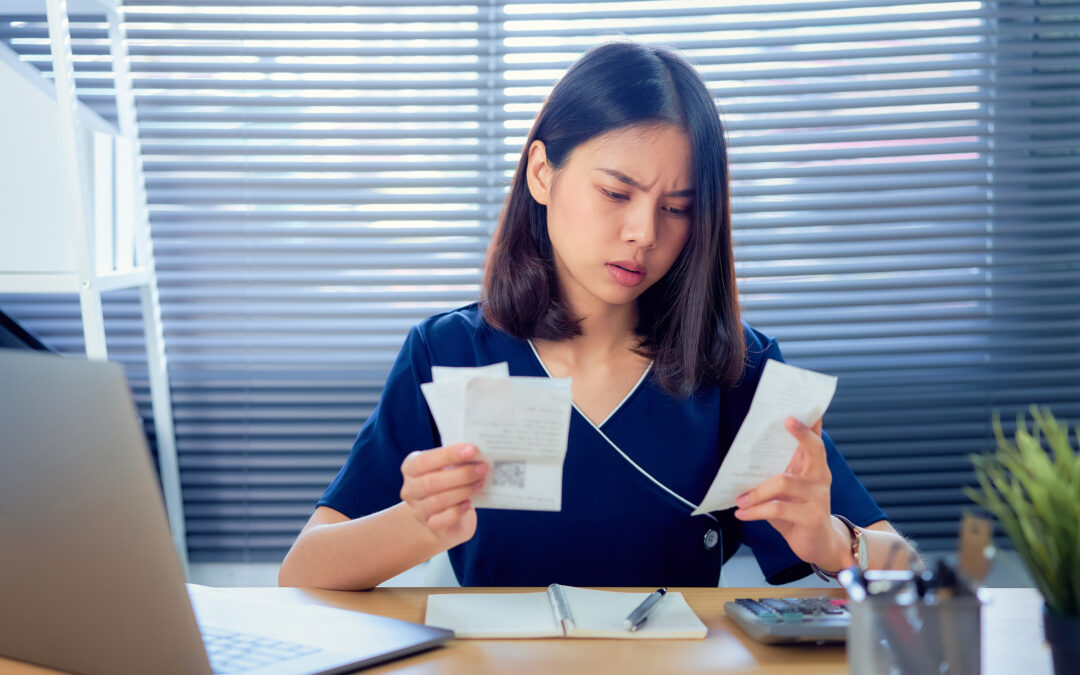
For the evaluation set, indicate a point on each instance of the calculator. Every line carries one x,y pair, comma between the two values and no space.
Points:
816,620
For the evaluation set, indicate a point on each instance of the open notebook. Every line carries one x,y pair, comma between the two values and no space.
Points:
563,611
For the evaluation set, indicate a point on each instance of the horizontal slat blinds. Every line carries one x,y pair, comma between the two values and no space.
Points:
321,175
292,261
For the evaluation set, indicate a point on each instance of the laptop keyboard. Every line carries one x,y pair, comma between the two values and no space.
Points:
232,652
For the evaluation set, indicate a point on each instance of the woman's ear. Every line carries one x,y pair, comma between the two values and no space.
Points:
538,173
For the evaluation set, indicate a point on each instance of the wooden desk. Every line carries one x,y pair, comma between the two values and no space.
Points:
1012,640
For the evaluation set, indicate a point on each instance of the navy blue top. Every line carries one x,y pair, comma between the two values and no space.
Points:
616,526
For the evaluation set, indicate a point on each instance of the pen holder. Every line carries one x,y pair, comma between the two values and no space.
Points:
888,636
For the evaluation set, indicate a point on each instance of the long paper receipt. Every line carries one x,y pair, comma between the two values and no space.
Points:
519,424
763,447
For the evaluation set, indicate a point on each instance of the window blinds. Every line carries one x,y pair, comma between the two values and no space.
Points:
322,175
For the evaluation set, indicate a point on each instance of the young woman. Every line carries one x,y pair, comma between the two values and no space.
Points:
612,265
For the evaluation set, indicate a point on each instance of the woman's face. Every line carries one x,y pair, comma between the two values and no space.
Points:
618,212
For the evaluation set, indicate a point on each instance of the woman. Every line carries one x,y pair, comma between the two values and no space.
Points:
611,265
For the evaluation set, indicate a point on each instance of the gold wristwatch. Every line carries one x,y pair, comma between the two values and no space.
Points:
859,549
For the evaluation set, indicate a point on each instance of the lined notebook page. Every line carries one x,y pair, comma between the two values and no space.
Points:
493,615
601,614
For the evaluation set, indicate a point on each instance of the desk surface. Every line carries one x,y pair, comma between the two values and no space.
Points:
1012,638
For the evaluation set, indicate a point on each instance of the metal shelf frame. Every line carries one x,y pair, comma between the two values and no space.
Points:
83,273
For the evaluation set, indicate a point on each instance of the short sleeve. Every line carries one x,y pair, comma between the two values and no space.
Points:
370,480
848,497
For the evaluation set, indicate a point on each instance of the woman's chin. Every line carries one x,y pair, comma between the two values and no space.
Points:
606,292
620,295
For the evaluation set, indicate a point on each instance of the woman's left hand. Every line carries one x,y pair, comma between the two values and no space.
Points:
797,502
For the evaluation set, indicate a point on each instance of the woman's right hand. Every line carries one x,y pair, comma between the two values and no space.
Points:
437,486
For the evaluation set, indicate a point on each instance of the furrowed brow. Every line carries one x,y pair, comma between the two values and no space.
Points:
622,177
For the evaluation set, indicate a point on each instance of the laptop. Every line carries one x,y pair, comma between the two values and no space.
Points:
89,579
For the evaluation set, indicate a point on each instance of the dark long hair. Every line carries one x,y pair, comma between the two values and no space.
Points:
689,319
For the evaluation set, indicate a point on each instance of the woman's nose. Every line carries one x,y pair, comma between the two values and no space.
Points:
641,226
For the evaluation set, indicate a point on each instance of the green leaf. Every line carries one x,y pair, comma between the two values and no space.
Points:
1035,494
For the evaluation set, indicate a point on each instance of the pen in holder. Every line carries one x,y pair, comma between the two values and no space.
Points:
895,630
913,622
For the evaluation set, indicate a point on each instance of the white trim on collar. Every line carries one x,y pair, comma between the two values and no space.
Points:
595,426
616,409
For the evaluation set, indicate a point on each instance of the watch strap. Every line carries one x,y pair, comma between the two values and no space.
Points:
856,534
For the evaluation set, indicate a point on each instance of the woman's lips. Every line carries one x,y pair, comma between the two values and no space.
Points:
626,272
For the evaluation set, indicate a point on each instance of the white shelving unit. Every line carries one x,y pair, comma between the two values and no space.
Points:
74,218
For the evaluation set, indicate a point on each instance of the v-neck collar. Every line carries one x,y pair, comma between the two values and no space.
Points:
616,409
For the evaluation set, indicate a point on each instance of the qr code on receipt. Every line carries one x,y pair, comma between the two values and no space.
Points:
511,474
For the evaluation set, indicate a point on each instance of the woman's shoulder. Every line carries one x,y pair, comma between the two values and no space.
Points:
463,321
757,342
760,347
461,337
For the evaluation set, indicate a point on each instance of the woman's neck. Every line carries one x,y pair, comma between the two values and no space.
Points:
607,333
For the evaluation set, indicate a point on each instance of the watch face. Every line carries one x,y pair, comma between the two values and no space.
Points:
862,555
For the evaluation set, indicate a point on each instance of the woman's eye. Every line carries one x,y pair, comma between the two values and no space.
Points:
614,195
617,196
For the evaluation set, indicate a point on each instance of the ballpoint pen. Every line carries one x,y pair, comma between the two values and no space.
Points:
642,611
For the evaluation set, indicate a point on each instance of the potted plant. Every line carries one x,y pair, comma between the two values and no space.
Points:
1035,494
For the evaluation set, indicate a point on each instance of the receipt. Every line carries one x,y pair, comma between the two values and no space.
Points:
446,396
519,424
763,447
